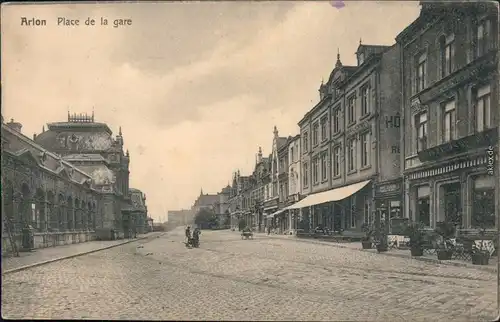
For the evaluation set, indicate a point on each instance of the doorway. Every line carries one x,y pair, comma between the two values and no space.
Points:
452,203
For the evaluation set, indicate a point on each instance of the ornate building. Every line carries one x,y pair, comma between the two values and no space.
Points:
69,183
451,115
138,212
90,146
42,191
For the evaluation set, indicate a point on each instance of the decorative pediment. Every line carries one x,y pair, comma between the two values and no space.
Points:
28,157
360,127
416,106
63,172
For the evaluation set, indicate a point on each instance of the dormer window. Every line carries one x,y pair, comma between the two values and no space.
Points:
361,58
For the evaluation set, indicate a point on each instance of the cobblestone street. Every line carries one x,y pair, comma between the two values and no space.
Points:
232,279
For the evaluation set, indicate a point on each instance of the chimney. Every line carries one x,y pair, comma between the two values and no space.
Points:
34,136
16,126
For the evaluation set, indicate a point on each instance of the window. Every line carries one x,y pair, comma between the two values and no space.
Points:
351,110
447,55
315,133
305,142
305,176
351,150
421,126
365,100
482,109
483,38
336,120
423,206
324,167
291,154
365,149
361,58
483,214
336,161
449,121
315,169
282,165
324,124
420,73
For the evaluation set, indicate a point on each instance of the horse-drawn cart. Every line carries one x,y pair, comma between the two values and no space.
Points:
246,235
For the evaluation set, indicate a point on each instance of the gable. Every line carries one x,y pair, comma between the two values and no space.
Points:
27,156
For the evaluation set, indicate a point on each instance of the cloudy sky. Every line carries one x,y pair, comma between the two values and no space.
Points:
196,87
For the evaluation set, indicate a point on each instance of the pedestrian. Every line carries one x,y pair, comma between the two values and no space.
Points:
188,233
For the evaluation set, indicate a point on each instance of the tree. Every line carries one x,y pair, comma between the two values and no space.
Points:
205,218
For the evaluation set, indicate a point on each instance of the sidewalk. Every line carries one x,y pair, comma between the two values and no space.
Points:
492,267
52,254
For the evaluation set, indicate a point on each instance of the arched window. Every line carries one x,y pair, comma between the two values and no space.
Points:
69,214
39,220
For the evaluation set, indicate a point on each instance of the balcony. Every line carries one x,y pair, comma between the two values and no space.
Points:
471,142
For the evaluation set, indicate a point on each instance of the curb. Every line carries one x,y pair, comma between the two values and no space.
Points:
418,258
22,268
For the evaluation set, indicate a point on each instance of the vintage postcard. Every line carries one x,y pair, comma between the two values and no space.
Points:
239,160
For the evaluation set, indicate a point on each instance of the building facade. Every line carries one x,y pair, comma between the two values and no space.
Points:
55,194
451,115
181,217
345,137
294,181
90,146
138,212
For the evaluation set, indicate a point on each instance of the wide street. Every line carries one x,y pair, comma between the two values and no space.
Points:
232,279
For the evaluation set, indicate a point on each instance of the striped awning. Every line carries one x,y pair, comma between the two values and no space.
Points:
448,168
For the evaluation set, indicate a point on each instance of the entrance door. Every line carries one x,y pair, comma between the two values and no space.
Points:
452,203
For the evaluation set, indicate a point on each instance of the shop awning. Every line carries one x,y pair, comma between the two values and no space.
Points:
275,213
330,195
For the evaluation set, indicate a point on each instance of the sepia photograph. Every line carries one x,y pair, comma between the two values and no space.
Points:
250,160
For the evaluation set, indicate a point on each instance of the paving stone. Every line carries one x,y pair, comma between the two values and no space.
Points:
232,279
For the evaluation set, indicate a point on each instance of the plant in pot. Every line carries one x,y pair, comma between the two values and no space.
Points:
480,255
446,231
366,240
415,231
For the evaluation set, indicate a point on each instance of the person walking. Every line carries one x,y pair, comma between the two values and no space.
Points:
188,233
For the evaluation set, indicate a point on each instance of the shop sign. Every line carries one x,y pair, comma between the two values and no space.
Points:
389,188
477,140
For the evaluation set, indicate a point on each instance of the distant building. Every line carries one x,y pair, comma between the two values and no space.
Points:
180,217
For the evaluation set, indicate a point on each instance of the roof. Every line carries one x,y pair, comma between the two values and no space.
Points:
85,157
24,147
206,200
100,173
137,200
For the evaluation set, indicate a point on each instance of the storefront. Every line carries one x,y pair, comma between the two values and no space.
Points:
388,203
460,192
336,209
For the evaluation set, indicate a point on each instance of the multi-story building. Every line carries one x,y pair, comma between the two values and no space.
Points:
204,201
278,172
283,219
451,115
261,178
346,136
294,180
